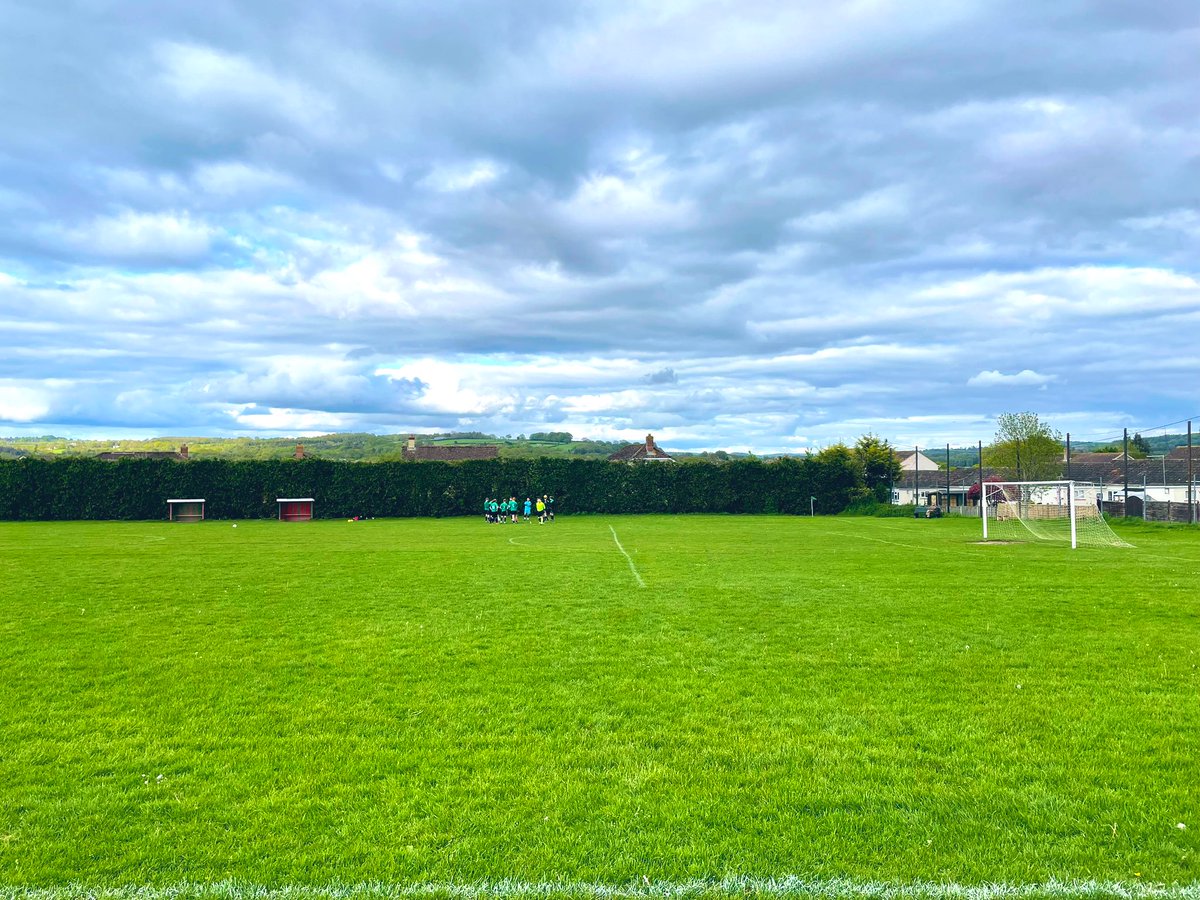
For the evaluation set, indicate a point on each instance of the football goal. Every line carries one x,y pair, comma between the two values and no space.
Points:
1061,511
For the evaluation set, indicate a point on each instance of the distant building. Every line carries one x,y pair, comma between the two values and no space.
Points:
114,455
448,452
912,459
648,451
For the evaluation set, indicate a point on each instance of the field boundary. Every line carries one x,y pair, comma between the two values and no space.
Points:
628,558
503,889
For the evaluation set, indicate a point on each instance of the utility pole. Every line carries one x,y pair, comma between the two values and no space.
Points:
1191,479
947,479
916,477
1068,456
1126,501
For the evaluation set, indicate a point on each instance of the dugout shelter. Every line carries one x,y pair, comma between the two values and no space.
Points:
185,510
296,509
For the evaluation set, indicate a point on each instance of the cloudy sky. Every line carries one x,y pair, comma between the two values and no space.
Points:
765,225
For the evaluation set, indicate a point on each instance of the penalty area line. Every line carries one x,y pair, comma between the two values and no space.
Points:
628,558
736,886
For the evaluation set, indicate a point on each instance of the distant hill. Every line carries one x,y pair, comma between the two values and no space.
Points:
358,447
1160,444
363,447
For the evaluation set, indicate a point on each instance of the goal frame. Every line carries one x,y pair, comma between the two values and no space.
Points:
1069,485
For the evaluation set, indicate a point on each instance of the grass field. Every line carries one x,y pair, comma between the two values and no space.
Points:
843,707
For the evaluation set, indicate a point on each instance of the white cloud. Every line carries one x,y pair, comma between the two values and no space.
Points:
235,178
207,76
461,178
133,236
995,378
22,404
888,205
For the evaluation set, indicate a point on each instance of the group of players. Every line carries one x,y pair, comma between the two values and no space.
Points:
500,511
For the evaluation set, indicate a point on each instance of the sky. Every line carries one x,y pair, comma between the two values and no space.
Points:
762,226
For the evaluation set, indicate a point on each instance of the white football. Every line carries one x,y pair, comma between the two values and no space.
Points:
235,524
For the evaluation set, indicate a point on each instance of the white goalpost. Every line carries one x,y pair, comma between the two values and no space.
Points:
1060,511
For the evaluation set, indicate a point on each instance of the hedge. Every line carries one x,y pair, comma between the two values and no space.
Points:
84,488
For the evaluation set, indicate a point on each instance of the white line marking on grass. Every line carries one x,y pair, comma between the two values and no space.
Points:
628,558
738,886
864,537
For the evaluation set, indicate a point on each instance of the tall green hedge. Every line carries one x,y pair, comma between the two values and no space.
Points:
83,488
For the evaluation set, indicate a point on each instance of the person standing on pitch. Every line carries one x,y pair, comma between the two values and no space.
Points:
528,508
550,507
512,509
541,510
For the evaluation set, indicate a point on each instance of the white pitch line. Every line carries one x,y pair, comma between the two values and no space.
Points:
628,558
736,886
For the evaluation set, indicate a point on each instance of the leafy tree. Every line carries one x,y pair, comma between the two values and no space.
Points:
880,466
1026,447
841,479
1139,447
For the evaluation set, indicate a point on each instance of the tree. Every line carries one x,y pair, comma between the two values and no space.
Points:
880,466
840,479
1139,447
1026,447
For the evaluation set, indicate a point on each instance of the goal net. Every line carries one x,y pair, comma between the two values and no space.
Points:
1062,511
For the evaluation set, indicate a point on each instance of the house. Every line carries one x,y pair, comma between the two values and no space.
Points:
1161,479
647,451
115,455
448,452
932,487
911,460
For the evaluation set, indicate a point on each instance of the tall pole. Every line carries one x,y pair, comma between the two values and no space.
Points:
1126,501
1071,507
947,479
916,476
982,499
1191,478
1068,456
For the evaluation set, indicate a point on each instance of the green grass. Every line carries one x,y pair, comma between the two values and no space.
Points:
416,702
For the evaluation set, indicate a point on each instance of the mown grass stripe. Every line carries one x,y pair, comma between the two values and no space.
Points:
786,886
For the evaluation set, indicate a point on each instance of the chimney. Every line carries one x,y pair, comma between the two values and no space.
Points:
299,454
649,443
183,450
412,443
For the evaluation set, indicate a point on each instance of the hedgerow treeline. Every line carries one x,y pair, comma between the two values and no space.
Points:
81,488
